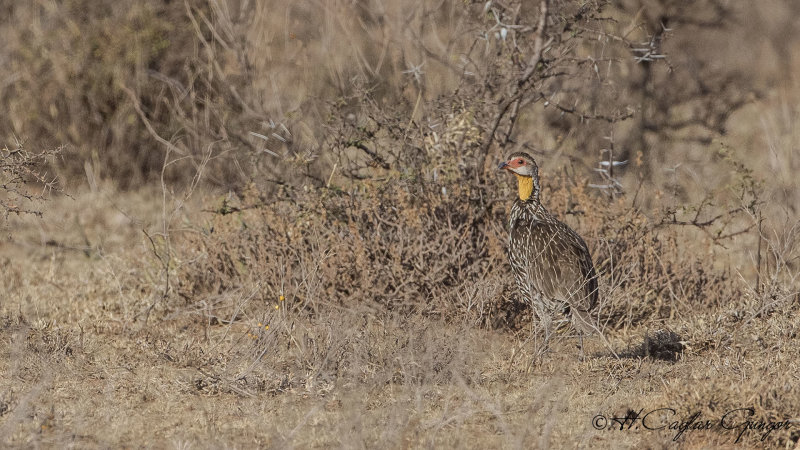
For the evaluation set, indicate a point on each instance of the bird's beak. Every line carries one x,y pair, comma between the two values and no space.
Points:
502,165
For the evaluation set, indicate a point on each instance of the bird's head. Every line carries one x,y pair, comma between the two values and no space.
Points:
524,167
521,164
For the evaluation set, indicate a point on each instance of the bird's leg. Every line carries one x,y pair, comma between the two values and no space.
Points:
548,325
542,313
582,356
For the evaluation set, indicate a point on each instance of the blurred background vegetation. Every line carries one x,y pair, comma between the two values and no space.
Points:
121,84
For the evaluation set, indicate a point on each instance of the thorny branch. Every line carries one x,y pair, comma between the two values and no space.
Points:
19,168
671,218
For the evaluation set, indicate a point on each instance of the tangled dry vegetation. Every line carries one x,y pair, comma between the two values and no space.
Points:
284,229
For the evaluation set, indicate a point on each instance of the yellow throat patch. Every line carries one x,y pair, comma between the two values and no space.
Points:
525,186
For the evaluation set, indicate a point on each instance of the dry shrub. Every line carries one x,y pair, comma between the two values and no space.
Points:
22,171
432,241
399,244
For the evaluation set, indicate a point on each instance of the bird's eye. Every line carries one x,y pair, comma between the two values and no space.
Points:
521,161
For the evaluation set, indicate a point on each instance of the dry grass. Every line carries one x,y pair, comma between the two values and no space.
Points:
284,229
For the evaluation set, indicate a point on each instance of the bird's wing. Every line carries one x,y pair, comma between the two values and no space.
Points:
560,264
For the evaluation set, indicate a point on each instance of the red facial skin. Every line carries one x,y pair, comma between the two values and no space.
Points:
513,164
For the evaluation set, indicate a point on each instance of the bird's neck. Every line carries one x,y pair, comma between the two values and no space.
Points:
528,188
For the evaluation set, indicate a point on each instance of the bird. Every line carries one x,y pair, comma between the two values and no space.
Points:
551,263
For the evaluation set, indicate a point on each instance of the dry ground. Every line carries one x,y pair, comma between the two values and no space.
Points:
81,367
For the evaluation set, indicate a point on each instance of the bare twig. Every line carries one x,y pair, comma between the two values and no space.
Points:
521,87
